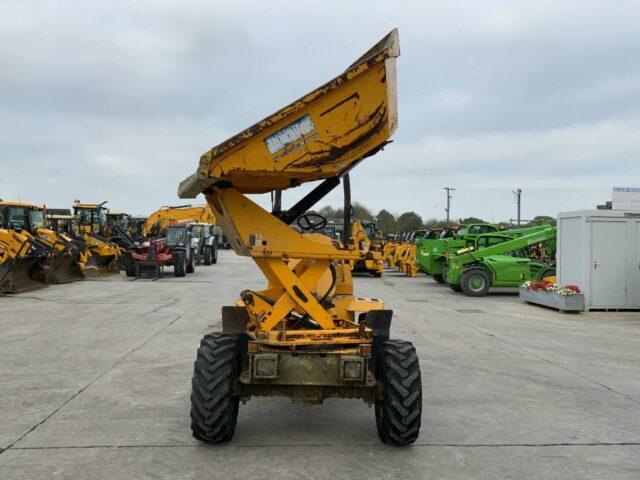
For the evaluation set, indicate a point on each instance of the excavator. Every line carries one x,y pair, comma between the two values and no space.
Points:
306,335
361,240
63,262
101,256
159,220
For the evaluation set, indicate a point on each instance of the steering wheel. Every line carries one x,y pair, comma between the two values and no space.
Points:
311,221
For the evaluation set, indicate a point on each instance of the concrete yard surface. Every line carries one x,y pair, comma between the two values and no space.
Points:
95,382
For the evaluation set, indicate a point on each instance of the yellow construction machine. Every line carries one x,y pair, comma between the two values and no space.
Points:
62,264
361,240
22,260
159,220
101,256
305,336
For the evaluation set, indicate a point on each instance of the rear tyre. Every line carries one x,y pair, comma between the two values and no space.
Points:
179,263
475,282
214,406
191,264
214,259
207,255
399,410
438,277
377,274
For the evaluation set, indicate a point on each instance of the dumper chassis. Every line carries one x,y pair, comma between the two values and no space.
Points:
306,335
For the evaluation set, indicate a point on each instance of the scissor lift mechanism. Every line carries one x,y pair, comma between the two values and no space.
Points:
306,335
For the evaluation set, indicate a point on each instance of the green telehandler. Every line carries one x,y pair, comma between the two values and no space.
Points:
432,253
503,262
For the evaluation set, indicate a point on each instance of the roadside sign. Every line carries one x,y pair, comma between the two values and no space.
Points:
625,198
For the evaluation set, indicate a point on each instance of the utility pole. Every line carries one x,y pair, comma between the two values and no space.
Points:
449,197
518,194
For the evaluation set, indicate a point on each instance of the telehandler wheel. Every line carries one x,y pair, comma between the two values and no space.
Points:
455,287
475,282
214,405
398,412
129,266
214,260
179,263
438,277
191,264
208,255
377,274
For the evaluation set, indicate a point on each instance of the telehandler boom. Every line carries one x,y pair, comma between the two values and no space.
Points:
305,336
504,264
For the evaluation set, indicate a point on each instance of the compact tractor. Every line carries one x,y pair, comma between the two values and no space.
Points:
306,335
204,242
174,249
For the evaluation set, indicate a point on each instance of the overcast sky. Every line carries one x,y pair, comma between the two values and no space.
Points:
117,101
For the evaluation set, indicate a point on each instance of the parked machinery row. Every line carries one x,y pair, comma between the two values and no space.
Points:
481,256
40,246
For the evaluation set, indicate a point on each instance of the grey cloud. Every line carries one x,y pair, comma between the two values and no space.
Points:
117,100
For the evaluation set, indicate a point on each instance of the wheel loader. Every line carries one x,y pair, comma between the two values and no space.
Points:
503,262
102,256
305,336
63,261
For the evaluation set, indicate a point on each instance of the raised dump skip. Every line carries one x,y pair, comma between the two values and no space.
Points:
321,135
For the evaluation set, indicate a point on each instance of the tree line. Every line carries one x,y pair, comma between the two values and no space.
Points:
387,222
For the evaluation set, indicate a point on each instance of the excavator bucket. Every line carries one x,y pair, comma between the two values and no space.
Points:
320,136
20,275
101,266
63,269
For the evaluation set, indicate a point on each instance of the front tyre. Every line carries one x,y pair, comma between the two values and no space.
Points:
191,263
179,263
399,410
475,282
214,405
208,255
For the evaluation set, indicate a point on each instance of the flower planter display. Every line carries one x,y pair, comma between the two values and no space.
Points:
564,299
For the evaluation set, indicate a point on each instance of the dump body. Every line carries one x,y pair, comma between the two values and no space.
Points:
319,136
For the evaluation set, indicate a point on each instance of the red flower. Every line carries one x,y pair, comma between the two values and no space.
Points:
573,288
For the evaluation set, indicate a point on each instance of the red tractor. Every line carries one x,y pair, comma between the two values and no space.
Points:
175,248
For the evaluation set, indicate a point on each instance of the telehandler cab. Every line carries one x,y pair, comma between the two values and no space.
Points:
306,336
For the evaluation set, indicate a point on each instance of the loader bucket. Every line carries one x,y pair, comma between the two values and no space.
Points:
321,135
19,275
63,269
101,266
